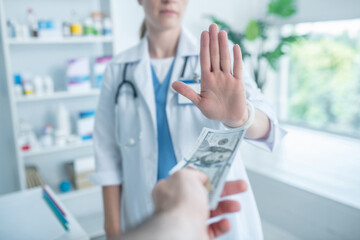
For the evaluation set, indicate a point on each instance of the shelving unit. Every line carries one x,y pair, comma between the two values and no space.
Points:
48,57
58,96
69,40
45,152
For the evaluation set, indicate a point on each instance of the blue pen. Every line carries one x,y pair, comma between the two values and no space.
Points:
56,211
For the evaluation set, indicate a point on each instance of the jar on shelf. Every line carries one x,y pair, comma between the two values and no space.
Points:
76,27
88,27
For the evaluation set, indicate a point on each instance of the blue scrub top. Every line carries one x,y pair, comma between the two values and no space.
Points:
166,157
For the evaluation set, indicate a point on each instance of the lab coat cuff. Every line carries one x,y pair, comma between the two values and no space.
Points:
275,135
106,178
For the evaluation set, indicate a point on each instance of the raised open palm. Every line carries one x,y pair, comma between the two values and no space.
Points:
222,94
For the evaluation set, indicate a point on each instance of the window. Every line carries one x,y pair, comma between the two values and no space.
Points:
323,77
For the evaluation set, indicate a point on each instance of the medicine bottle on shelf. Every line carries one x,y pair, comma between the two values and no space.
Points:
38,85
47,139
66,29
17,85
107,31
28,84
32,23
48,85
98,26
11,31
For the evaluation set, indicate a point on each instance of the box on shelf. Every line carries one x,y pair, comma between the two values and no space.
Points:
99,69
79,170
78,74
85,124
33,177
49,29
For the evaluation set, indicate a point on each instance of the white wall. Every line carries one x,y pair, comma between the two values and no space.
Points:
235,12
303,214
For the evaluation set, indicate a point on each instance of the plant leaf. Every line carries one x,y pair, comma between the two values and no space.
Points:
252,31
273,57
234,37
282,8
221,24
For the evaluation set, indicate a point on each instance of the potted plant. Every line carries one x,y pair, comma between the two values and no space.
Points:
256,33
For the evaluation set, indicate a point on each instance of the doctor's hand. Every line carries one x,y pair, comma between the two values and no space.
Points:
222,94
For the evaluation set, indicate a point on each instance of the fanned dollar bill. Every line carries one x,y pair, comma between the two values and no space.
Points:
213,155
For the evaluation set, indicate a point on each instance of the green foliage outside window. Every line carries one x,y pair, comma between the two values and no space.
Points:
324,84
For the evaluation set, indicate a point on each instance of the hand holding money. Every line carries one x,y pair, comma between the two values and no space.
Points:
181,203
213,155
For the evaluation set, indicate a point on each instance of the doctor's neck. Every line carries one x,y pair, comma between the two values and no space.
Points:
163,43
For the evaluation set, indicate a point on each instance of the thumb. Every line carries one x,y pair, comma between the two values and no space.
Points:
186,91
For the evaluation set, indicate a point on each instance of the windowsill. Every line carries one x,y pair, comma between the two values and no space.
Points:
321,163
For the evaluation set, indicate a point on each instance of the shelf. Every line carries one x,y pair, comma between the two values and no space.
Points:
69,40
55,150
58,96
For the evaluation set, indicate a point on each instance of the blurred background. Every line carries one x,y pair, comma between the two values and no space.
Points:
304,55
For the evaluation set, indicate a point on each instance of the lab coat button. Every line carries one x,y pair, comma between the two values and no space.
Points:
131,141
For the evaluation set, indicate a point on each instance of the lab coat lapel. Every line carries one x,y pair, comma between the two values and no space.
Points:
187,46
143,82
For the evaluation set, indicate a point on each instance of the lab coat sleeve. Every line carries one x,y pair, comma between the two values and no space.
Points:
255,96
107,153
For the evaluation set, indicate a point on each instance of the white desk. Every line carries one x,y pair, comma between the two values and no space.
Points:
26,215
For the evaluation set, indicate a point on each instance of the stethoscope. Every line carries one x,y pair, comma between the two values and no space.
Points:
133,140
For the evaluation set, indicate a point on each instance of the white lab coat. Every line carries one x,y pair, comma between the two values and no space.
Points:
135,168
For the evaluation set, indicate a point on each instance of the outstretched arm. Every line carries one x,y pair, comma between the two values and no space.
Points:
181,209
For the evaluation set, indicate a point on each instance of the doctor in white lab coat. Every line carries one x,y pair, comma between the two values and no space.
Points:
126,137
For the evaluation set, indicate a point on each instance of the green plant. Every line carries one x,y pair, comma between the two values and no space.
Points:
257,30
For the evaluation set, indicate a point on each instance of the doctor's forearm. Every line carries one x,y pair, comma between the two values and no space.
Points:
111,199
260,128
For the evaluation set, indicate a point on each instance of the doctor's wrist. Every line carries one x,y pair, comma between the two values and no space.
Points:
246,120
239,123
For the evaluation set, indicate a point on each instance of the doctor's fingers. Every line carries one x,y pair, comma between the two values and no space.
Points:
205,62
214,47
234,187
187,92
225,60
226,206
238,64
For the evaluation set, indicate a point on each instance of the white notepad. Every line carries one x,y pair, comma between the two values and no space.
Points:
26,215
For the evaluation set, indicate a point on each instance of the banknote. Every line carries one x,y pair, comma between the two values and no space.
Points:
213,155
